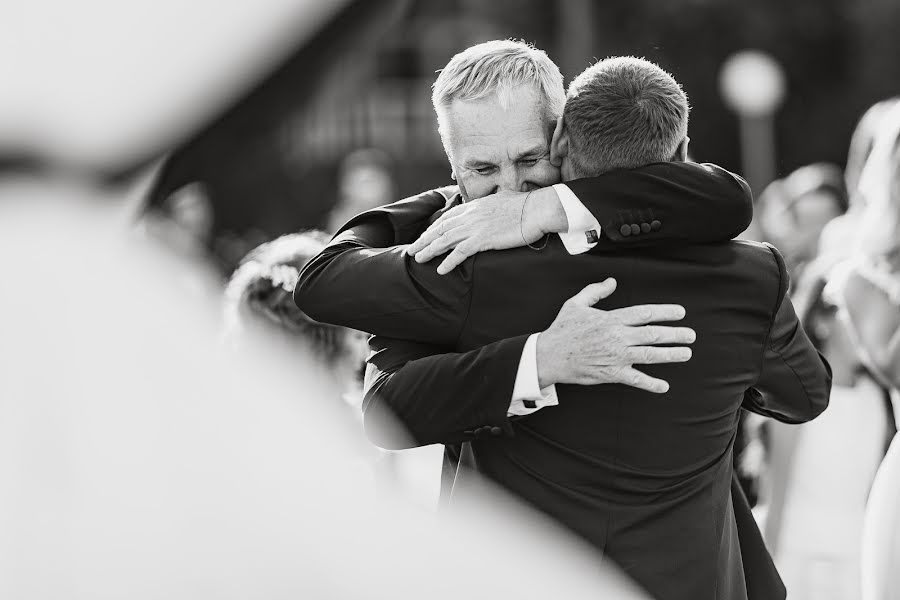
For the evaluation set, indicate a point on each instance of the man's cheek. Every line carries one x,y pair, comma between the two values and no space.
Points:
546,174
473,188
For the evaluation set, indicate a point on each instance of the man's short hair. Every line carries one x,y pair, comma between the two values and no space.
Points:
624,112
497,67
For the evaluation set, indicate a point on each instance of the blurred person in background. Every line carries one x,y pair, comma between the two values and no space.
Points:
364,182
794,210
819,478
258,302
867,290
183,223
180,213
322,299
840,235
179,209
258,295
258,309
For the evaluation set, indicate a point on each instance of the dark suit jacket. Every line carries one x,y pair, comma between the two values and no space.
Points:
695,203
468,366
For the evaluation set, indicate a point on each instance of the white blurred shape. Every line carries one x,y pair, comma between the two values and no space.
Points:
98,82
752,83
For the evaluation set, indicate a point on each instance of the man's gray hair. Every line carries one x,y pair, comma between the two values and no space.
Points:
497,67
624,112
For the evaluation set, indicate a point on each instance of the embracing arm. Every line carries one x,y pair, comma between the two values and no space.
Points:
383,292
794,382
360,279
415,395
653,205
687,202
350,278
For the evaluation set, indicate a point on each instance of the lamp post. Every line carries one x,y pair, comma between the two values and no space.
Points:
752,83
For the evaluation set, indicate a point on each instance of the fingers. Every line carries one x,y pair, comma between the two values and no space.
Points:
653,355
454,259
642,381
440,245
660,334
648,313
441,226
427,237
594,293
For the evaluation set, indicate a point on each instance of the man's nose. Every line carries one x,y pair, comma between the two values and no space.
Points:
511,180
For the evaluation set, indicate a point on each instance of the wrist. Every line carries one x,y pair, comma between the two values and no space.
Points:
544,213
544,361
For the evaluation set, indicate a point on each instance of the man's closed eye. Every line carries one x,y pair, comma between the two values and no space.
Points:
485,170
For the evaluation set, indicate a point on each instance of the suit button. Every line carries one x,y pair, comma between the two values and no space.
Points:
468,433
496,431
645,227
625,230
482,432
655,225
635,229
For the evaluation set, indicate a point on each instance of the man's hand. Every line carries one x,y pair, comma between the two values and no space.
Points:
589,346
495,222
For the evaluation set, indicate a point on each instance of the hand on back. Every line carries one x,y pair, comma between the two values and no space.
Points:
495,222
589,346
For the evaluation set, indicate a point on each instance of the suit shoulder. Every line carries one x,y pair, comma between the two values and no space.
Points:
435,199
409,216
760,251
768,260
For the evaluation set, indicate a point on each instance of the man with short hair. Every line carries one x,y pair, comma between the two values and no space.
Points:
645,478
643,118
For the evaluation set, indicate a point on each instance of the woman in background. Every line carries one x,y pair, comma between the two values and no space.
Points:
258,299
825,469
259,310
868,293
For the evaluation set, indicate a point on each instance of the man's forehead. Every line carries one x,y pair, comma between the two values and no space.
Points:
526,105
499,150
483,130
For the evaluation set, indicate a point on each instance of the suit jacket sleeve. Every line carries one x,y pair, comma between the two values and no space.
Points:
362,280
382,292
418,394
691,202
794,381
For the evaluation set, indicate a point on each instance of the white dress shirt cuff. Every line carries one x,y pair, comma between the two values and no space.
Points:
527,396
584,229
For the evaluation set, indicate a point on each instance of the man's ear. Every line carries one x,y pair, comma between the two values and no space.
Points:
681,151
559,143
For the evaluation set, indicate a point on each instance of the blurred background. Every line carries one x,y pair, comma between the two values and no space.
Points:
293,169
